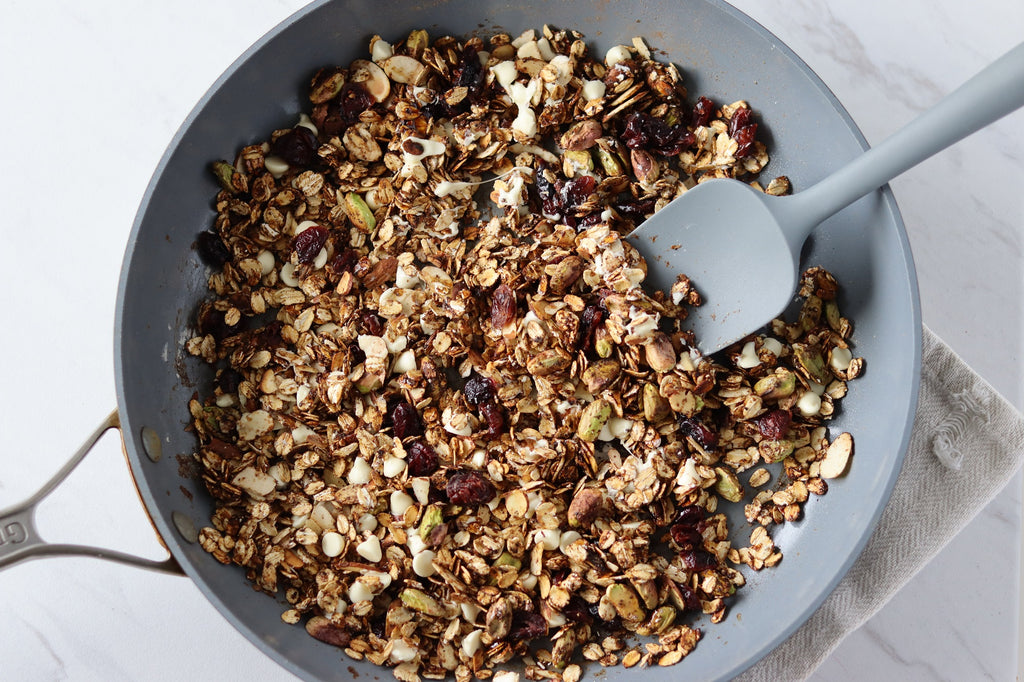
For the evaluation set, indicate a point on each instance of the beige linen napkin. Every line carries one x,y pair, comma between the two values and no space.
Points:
967,443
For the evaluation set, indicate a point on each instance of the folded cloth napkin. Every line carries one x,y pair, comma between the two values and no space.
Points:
966,444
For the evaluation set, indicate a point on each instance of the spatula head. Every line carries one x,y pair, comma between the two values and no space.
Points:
724,236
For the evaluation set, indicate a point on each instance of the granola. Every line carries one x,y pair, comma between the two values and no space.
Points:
458,433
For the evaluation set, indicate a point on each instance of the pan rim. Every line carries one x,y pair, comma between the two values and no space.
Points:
131,428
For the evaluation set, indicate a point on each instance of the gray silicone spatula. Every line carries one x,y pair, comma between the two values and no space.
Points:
741,247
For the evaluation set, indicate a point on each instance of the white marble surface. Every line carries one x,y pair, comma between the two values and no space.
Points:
93,92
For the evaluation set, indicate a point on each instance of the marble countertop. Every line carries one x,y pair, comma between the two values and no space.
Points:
93,92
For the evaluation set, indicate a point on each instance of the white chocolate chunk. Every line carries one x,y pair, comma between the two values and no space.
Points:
370,550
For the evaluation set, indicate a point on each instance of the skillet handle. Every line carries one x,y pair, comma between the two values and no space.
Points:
20,541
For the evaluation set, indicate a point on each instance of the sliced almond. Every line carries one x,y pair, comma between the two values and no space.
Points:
837,456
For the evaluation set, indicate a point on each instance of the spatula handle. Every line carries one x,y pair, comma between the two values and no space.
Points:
991,94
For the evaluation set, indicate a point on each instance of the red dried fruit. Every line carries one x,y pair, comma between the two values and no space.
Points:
421,459
702,111
698,559
479,390
578,610
576,191
774,424
298,147
690,599
307,244
211,249
644,131
503,306
371,323
494,415
469,487
742,129
405,420
593,315
696,430
527,625
343,261
687,537
691,515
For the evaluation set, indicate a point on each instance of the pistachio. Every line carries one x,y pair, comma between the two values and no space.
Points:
779,384
625,602
728,485
772,451
832,315
609,160
582,135
230,179
359,213
837,456
548,362
507,559
326,84
661,356
564,274
371,77
810,360
603,345
564,647
432,518
810,313
648,591
656,408
593,419
417,600
600,375
499,619
576,163
585,507
404,69
645,166
417,41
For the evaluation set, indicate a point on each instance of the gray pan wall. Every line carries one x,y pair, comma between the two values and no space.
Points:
722,55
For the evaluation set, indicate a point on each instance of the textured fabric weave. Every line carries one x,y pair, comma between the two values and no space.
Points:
966,444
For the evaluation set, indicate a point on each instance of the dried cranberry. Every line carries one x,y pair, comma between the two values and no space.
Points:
527,625
691,515
405,420
211,249
298,147
696,430
774,424
470,73
479,389
644,131
687,537
469,487
494,415
355,354
690,599
270,336
343,261
702,111
228,380
503,306
743,129
593,315
550,195
307,244
421,459
637,211
578,610
371,323
698,559
576,191
354,100
211,321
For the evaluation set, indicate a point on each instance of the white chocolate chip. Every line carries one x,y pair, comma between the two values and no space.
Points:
841,358
288,277
381,50
367,523
275,165
619,53
422,564
359,474
332,543
266,261
402,651
592,90
809,404
406,362
415,544
568,537
400,503
773,345
303,226
548,537
393,466
359,592
370,550
748,357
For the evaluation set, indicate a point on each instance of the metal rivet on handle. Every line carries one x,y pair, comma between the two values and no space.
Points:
151,444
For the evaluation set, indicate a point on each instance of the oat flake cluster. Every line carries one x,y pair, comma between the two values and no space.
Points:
459,435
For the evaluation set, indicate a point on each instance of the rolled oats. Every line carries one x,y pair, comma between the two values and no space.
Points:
456,435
